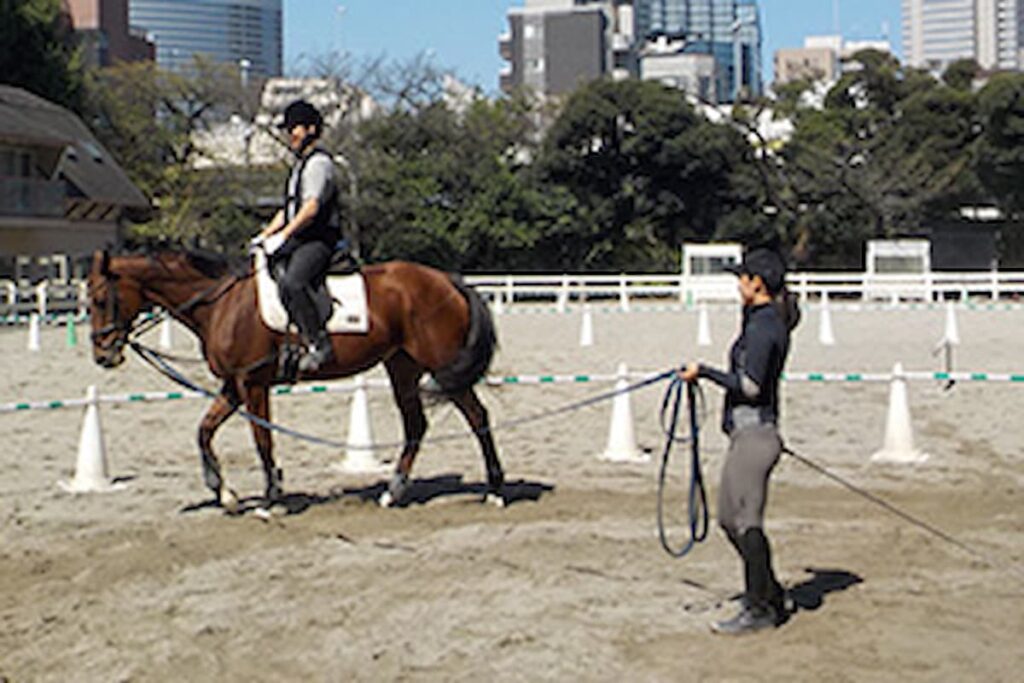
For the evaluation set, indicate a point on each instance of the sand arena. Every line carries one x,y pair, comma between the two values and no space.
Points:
569,582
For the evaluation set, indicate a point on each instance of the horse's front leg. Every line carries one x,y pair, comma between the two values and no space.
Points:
224,406
257,402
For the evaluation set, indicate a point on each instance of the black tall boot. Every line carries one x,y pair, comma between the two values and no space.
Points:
319,354
764,589
763,604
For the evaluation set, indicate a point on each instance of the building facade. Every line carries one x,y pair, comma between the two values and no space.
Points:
554,46
246,33
937,32
728,30
61,193
106,35
822,59
806,63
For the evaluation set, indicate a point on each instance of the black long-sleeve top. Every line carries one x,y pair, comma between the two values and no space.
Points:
755,364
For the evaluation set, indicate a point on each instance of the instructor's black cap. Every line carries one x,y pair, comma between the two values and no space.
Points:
301,113
764,262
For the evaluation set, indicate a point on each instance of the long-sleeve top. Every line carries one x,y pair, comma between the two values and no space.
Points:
756,360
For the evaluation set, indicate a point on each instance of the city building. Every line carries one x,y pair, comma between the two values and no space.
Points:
239,142
247,33
554,46
727,30
665,61
61,193
806,63
822,58
107,37
937,32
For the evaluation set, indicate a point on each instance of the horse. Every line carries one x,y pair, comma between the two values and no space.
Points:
420,321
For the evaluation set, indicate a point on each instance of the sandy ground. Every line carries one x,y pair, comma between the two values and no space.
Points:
567,583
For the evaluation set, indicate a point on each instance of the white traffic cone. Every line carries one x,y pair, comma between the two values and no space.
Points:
33,332
621,435
587,327
166,339
359,458
952,333
703,326
825,336
91,465
898,446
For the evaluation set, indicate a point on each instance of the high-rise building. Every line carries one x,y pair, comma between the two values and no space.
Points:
246,33
728,30
554,46
937,32
106,36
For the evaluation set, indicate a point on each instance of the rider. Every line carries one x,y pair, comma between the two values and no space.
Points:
309,226
751,411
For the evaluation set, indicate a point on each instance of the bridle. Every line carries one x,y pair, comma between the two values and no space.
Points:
125,328
116,324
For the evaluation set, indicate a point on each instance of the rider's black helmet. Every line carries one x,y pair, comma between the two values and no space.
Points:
301,113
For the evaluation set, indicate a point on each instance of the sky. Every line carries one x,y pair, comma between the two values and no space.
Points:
463,34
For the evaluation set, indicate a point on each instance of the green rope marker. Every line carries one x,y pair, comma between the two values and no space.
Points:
72,335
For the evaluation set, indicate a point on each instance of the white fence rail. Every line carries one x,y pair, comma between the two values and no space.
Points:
48,298
858,286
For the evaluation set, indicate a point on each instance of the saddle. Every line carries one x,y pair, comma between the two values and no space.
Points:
340,300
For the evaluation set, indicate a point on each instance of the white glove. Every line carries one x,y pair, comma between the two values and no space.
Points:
273,243
256,243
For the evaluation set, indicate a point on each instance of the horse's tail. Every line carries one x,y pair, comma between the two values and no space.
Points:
475,356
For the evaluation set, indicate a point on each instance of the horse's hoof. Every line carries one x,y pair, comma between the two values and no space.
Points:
263,514
496,500
386,500
229,501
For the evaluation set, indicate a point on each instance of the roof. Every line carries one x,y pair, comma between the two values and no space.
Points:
27,118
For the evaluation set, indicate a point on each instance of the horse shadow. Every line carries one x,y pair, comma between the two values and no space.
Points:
421,492
810,594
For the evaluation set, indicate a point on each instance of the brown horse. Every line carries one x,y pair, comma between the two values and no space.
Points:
421,320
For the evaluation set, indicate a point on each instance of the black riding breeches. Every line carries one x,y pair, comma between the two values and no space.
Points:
298,275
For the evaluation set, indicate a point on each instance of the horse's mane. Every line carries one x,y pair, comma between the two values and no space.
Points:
209,263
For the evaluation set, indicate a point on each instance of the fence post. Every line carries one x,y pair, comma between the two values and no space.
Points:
41,298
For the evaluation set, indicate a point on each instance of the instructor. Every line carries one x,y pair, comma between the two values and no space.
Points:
750,416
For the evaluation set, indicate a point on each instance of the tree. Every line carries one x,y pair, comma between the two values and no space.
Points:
148,118
647,173
891,151
38,51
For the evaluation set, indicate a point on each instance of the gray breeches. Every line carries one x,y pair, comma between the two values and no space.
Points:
753,452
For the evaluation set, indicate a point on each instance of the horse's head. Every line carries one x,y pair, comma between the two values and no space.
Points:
115,299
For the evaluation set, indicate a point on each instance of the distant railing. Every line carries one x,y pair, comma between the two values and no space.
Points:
930,286
31,197
54,298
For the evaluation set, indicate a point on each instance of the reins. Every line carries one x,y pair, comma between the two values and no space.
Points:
697,500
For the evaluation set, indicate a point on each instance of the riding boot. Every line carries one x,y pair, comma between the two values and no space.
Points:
764,592
320,353
762,606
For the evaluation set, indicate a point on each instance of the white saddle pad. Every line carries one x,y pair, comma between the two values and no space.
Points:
345,294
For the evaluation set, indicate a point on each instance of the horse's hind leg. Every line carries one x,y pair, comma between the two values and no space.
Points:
224,406
476,414
257,402
405,376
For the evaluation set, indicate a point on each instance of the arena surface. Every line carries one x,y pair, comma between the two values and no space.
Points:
569,582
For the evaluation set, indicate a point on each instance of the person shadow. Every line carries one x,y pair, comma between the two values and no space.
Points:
810,593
